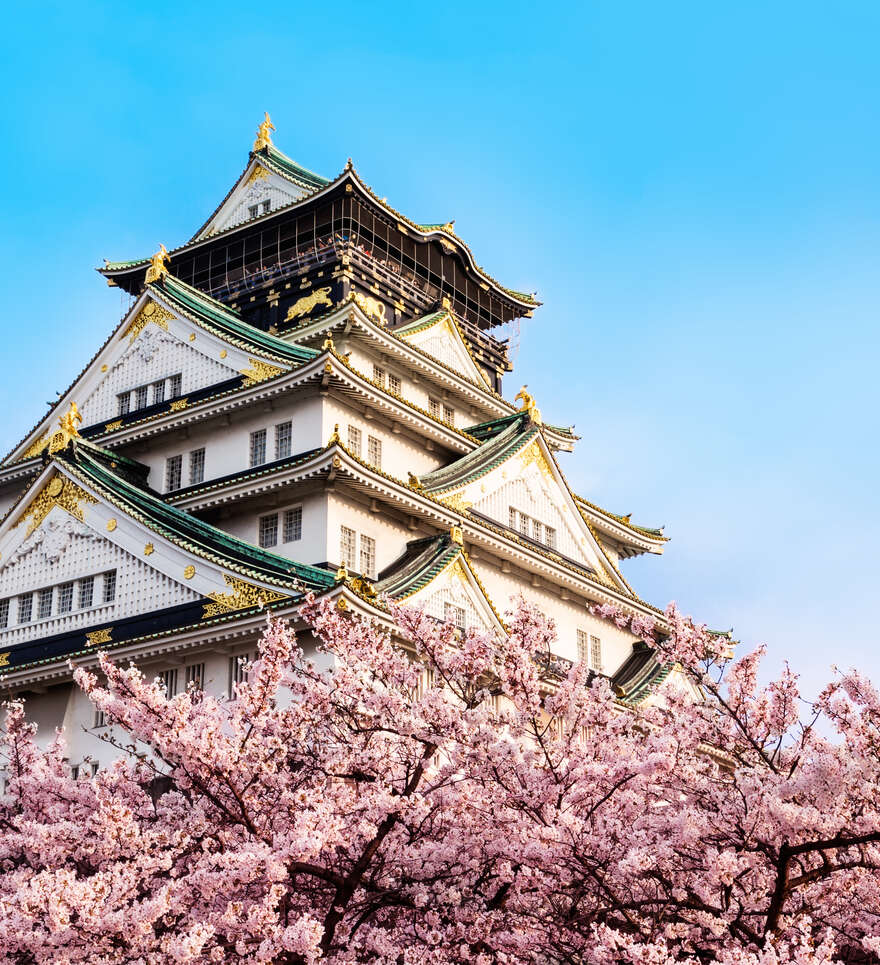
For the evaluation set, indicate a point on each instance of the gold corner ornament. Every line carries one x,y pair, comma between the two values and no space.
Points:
58,491
158,262
99,636
321,296
258,174
242,596
264,133
457,502
342,573
528,404
151,312
533,454
259,371
328,345
456,535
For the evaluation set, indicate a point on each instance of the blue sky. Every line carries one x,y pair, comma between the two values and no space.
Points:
691,188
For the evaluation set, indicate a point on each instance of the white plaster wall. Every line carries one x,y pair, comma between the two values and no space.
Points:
312,548
391,538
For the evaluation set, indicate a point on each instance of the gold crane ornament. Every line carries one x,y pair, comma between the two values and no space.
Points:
158,266
264,133
528,404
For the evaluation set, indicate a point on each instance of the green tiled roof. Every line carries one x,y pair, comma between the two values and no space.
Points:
98,468
641,674
422,560
227,322
517,434
419,324
289,168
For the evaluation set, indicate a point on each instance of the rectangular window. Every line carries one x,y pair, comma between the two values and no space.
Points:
435,408
26,608
394,384
347,547
140,397
269,530
550,537
449,415
159,391
512,518
283,439
379,375
583,646
175,386
44,603
524,524
595,653
99,719
237,671
537,531
4,613
354,441
293,524
86,592
109,586
65,598
374,451
258,447
195,676
169,680
267,207
368,557
253,210
173,472
196,466
454,614
124,403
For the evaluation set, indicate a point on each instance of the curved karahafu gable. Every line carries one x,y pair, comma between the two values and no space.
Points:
171,346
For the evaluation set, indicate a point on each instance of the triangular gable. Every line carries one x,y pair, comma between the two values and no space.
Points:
155,342
258,186
439,336
524,486
456,586
63,530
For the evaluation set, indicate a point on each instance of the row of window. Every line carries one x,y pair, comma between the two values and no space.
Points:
58,600
283,443
150,394
437,408
174,469
374,446
533,528
255,209
589,649
348,552
291,527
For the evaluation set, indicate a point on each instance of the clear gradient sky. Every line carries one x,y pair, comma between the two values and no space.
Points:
691,188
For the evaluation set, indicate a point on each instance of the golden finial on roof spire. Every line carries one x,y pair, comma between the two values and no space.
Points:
70,420
264,135
528,404
157,269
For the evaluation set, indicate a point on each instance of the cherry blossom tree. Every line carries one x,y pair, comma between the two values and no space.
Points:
451,799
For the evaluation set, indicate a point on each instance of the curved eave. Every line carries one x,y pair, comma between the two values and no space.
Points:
618,528
114,271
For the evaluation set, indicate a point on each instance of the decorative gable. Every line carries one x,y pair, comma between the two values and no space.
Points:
258,192
442,339
456,596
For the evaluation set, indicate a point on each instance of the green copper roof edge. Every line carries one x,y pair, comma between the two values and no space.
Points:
656,534
480,461
296,169
421,570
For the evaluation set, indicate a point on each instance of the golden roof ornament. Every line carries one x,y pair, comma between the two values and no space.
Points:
158,263
342,573
264,133
528,404
67,429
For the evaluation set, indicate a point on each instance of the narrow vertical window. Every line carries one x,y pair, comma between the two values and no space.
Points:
267,207
537,531
583,646
109,586
379,375
512,518
4,614
374,451
283,439
394,384
368,557
354,441
269,530
596,653
293,524
159,391
173,472
524,524
550,537
253,210
454,614
237,670
65,597
258,447
140,397
175,386
449,415
123,403
86,592
347,547
435,408
26,608
195,676
99,720
44,603
196,466
169,681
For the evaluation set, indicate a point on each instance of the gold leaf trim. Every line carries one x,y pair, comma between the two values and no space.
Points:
243,595
151,312
179,404
58,491
99,636
259,371
257,174
113,426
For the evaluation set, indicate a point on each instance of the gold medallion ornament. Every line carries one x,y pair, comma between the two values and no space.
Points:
179,404
149,549
157,270
264,133
242,596
59,491
111,525
151,312
113,426
99,636
222,353
259,371
189,572
304,305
